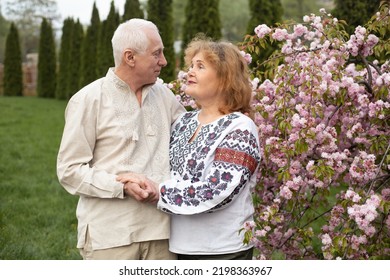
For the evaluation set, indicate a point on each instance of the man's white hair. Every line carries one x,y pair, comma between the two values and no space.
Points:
131,35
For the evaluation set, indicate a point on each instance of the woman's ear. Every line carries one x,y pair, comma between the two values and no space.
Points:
128,57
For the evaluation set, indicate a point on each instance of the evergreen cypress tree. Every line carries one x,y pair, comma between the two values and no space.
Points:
13,75
132,9
4,29
266,12
46,85
160,13
206,19
202,16
89,50
211,21
64,58
189,29
105,53
74,73
355,12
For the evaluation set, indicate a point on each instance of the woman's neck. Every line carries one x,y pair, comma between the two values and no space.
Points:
208,115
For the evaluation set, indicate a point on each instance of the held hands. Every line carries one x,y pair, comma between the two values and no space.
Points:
139,187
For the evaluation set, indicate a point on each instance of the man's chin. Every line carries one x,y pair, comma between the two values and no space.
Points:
151,83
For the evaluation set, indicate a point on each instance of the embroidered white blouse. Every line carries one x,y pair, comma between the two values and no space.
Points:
212,176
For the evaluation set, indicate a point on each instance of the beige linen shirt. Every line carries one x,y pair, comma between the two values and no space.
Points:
107,133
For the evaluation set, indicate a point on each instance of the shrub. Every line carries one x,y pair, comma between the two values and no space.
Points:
322,108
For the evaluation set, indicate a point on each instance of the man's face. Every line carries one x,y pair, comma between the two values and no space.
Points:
150,63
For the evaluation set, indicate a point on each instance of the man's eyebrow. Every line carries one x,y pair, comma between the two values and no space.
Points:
158,50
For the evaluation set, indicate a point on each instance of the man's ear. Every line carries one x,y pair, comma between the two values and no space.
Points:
128,57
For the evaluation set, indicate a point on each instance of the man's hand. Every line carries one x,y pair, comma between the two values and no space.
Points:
139,187
135,191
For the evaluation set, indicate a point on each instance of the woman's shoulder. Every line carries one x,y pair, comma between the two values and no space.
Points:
189,115
242,119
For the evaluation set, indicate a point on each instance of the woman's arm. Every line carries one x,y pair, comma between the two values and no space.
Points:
235,161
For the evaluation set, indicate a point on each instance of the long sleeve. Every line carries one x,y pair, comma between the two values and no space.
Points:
74,161
233,161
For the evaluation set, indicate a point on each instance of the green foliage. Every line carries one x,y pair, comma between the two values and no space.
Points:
104,51
89,50
355,12
47,65
179,17
13,79
296,9
381,28
267,12
72,83
64,58
201,17
234,19
70,59
37,216
132,9
189,29
160,12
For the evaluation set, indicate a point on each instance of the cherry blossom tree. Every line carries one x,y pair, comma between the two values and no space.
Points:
322,108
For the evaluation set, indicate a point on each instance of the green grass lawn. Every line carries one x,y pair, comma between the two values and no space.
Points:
37,216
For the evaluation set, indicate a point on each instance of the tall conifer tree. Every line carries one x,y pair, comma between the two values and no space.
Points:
355,12
13,75
89,57
266,12
189,29
105,55
132,9
64,58
202,16
74,73
47,66
160,12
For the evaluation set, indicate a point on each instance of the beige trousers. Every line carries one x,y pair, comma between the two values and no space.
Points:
148,250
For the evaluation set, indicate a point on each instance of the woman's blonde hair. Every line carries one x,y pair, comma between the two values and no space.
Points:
232,72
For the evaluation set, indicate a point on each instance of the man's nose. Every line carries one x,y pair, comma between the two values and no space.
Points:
163,61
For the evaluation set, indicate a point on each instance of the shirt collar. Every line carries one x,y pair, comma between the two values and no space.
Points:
118,82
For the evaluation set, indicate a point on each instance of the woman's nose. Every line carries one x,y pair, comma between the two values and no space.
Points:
190,72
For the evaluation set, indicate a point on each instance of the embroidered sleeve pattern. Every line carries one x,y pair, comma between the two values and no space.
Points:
236,157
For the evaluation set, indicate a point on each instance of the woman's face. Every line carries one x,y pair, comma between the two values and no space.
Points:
202,81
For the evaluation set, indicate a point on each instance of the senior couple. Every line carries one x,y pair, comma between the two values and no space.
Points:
155,181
